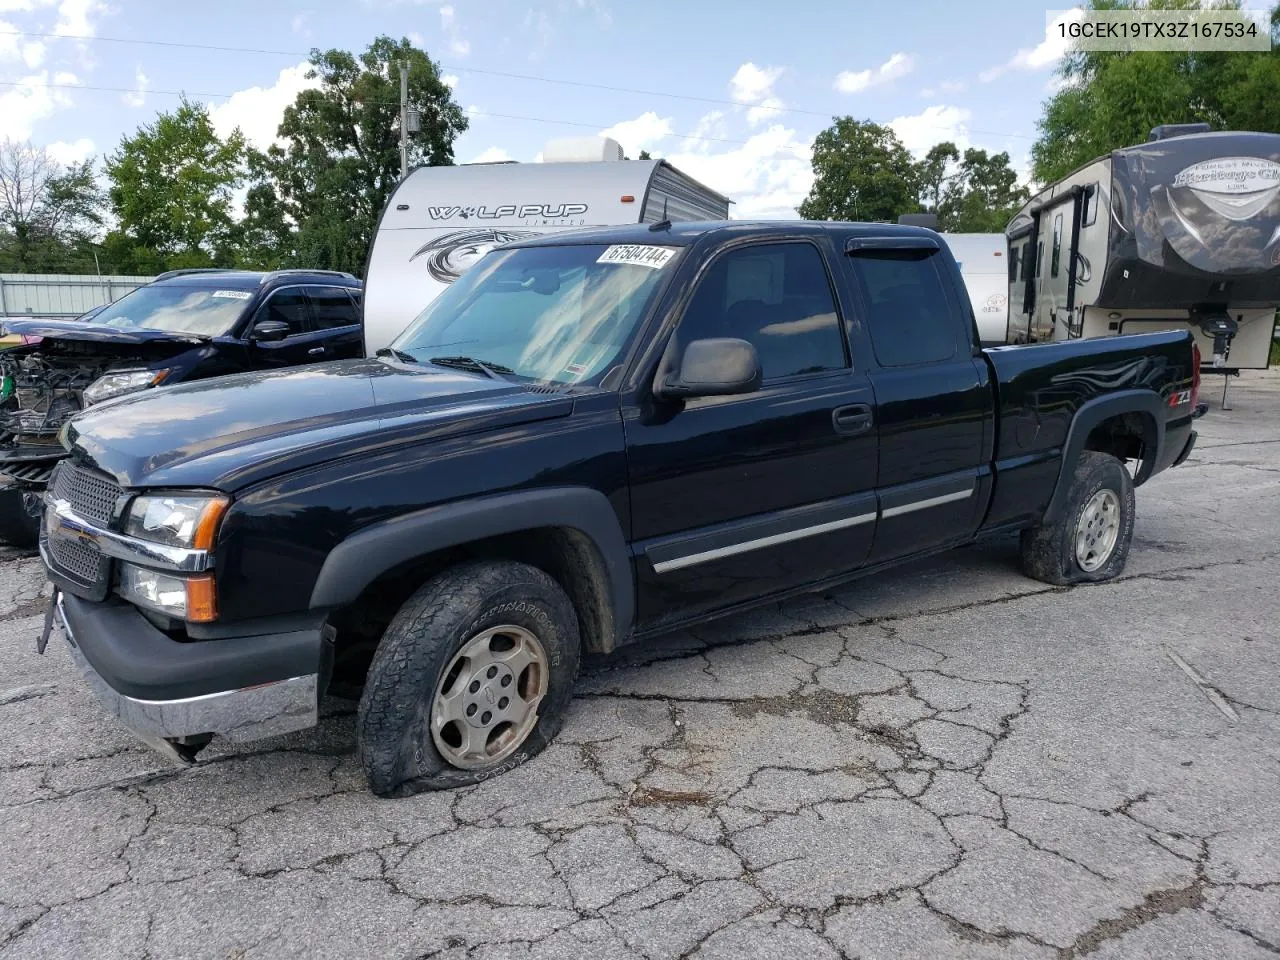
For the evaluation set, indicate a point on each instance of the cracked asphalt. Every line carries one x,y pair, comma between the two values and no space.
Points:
949,760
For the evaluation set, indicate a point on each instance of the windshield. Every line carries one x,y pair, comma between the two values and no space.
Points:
564,314
178,308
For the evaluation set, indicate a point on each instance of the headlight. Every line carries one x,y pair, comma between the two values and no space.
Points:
181,520
183,598
121,382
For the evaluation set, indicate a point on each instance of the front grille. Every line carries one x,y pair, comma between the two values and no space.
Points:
91,495
77,559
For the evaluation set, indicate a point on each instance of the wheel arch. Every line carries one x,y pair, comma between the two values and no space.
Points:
1135,414
572,533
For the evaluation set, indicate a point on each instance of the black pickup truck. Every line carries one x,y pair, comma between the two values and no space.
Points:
589,439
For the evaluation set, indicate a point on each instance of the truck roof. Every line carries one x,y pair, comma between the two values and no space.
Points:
682,234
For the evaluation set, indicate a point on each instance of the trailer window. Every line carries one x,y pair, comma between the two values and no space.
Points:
1039,257
1015,256
1057,245
1090,205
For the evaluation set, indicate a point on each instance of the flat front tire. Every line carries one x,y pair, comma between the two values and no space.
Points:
472,677
1089,539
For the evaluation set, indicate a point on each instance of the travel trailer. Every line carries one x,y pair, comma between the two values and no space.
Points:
983,263
1182,231
440,220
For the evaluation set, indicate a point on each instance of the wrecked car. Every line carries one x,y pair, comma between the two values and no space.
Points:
185,325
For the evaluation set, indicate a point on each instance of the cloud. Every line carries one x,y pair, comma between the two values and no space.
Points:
935,124
76,17
299,23
897,66
257,111
1047,53
766,177
138,97
450,80
641,133
458,46
491,155
946,86
710,126
29,100
69,153
752,87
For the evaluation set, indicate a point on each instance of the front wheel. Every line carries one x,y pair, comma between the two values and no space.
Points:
472,677
1089,541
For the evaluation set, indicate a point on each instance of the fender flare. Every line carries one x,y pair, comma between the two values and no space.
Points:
367,554
1092,413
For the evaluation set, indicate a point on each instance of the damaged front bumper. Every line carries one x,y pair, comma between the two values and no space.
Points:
168,692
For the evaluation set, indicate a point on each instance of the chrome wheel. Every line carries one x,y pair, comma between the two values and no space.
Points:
1097,530
486,702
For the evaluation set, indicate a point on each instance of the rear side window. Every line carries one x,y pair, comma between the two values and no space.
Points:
333,308
287,306
777,297
908,310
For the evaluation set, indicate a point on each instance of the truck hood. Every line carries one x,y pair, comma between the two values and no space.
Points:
230,432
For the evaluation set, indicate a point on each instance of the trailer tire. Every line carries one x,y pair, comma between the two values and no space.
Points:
18,527
472,677
1089,540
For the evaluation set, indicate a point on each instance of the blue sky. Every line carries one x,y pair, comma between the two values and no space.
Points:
756,80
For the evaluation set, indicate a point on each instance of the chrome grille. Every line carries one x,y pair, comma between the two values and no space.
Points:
91,495
76,559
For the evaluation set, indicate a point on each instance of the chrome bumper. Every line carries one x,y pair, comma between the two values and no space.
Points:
251,713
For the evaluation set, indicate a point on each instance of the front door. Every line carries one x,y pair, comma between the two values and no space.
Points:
304,344
739,497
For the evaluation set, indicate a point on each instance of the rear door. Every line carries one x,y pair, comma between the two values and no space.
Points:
934,401
738,497
336,317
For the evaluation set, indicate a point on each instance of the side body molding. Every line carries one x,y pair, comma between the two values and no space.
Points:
1092,413
360,559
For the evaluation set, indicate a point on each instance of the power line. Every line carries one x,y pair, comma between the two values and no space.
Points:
389,103
457,68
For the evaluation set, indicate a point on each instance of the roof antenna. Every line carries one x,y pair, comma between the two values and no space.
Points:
664,223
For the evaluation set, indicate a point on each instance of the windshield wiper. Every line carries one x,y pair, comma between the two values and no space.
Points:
398,354
494,371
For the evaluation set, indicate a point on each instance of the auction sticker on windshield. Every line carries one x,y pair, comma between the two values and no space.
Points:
233,294
639,254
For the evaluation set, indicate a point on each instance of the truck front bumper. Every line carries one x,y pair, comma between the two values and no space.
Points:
164,690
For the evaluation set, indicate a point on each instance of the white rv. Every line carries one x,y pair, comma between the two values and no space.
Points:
982,261
1181,231
440,220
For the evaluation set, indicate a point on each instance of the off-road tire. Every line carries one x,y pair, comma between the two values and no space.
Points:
1048,551
18,528
395,745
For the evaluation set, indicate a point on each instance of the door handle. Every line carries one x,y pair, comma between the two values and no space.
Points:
315,351
853,419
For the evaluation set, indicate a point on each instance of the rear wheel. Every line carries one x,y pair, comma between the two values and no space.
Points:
472,677
1089,540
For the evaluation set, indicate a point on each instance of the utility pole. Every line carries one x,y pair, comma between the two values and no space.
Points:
404,119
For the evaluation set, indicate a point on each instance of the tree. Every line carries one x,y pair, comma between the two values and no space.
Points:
861,172
1110,100
48,213
172,186
981,196
931,172
341,158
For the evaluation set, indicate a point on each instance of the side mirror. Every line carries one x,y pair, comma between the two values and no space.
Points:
712,368
268,331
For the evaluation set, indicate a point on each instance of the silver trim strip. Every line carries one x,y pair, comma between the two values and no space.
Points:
926,504
694,558
64,521
251,713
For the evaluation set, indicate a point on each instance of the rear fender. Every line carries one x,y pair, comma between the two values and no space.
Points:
1094,412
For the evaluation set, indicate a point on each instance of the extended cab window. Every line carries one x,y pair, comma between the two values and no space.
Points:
777,297
908,311
333,308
